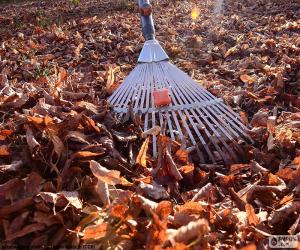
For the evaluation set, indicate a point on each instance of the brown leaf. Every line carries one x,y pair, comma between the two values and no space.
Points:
59,147
260,119
73,198
193,229
244,118
119,211
173,170
62,76
78,49
164,209
91,217
154,191
102,190
14,166
111,177
182,156
27,230
252,218
33,184
10,186
152,131
85,154
281,214
77,137
289,174
40,121
31,141
4,151
145,203
5,133
95,232
204,192
16,206
110,77
141,159
17,223
249,247
297,161
190,211
247,79
279,81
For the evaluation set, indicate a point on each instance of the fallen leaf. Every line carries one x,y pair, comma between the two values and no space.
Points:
95,232
111,177
252,218
141,159
247,79
154,191
198,228
4,151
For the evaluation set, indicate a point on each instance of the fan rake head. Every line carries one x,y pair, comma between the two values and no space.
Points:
166,96
194,117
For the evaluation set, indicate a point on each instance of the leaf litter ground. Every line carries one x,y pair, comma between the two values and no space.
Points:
72,174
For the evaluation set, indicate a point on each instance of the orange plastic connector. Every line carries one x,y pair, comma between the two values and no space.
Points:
161,97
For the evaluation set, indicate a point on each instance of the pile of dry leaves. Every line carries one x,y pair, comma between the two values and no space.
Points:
72,174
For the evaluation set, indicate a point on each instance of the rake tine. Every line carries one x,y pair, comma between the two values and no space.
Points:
173,113
205,95
200,137
153,113
197,131
126,84
177,96
213,141
127,94
141,89
191,93
146,121
175,99
184,91
170,125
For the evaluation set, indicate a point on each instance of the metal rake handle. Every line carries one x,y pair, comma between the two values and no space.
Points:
146,19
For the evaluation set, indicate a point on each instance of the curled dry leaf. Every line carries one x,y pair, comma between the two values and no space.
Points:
252,218
260,118
4,151
152,131
190,211
16,206
5,133
95,232
73,198
154,191
247,79
146,204
77,137
26,230
284,212
110,77
102,190
14,166
256,167
62,199
172,167
199,228
204,192
111,177
141,159
31,141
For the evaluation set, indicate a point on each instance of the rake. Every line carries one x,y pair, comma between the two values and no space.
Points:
165,96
